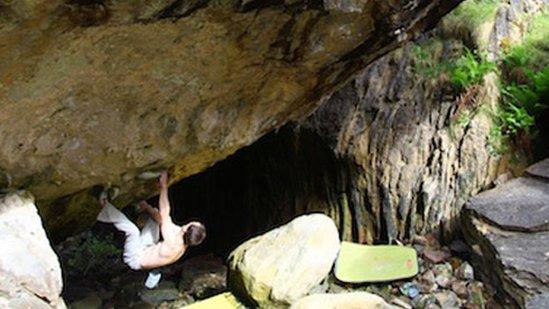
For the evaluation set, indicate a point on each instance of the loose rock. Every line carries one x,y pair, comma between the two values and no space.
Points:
436,256
409,289
443,274
447,299
427,282
460,288
465,272
404,303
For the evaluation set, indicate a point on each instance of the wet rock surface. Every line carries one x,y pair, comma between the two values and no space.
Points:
509,228
30,274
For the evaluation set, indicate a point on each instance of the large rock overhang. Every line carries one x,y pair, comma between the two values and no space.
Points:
102,99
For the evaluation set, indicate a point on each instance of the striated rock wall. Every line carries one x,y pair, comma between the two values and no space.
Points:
420,150
96,93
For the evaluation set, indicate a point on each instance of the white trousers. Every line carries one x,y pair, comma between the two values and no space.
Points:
136,241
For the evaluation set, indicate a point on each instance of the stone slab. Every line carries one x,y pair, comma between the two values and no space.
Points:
521,204
525,257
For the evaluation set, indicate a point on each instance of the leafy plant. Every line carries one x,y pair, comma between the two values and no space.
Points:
470,69
525,89
497,140
516,118
92,253
523,102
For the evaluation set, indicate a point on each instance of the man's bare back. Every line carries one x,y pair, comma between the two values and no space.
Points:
175,239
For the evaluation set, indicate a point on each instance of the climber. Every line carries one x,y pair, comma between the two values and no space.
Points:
142,249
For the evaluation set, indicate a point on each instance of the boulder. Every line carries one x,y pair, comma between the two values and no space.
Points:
509,229
29,269
96,93
354,300
283,265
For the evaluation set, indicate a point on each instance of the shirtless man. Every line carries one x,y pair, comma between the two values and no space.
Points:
142,249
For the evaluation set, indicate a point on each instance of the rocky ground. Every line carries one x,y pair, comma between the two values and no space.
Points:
508,249
95,277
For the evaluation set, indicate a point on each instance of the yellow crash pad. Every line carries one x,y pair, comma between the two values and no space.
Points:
358,263
221,301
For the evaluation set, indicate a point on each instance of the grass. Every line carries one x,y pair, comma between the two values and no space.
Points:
470,14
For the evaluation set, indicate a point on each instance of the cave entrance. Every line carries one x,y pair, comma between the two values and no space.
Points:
284,174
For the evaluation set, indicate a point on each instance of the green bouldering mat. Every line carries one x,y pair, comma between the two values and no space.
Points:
358,263
221,301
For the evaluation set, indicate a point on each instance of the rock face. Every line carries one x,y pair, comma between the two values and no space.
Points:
29,270
509,228
356,300
283,265
100,92
391,154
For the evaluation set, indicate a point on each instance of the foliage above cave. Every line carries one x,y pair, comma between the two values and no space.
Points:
525,79
470,69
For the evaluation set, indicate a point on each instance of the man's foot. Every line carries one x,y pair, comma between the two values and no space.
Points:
153,279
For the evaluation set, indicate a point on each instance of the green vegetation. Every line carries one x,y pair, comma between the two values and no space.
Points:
471,14
92,253
525,79
523,72
470,69
464,118
426,62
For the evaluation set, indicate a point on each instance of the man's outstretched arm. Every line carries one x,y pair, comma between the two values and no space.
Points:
166,224
164,202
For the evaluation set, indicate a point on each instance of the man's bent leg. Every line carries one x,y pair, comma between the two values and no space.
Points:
133,246
150,234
